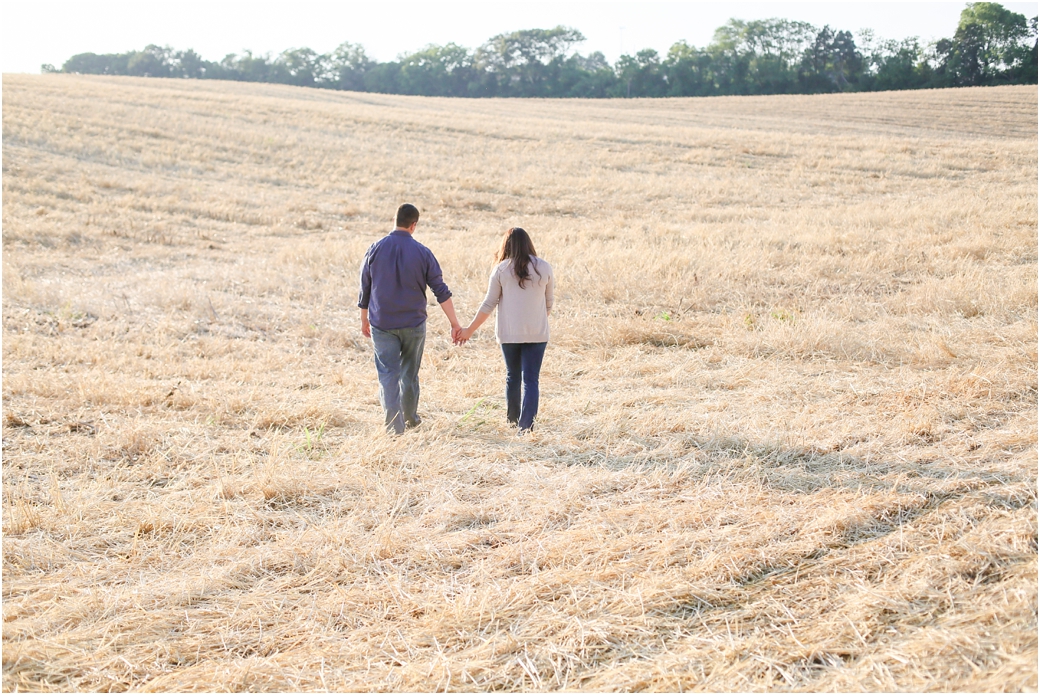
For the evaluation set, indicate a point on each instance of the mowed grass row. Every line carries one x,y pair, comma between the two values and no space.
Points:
788,436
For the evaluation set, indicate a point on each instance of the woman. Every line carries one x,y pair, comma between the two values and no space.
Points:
521,286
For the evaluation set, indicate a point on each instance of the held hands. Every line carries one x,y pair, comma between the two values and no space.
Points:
460,335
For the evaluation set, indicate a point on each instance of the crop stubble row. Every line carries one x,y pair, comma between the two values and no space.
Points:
787,441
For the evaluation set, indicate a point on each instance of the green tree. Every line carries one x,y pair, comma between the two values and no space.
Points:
730,59
990,45
893,65
188,64
527,62
771,56
304,67
153,61
383,78
641,75
690,71
348,65
1026,73
250,68
831,63
436,71
587,77
758,57
774,47
97,64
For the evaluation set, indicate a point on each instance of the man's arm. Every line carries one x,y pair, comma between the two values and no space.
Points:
366,329
435,281
365,294
449,310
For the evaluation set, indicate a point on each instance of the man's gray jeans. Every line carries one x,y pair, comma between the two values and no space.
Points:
398,355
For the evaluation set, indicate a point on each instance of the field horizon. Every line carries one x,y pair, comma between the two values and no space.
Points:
788,432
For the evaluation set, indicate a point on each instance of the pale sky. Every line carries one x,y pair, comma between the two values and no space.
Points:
50,31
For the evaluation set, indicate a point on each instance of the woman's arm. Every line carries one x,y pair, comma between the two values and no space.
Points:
469,330
549,298
491,300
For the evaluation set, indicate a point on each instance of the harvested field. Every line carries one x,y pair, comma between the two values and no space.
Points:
788,434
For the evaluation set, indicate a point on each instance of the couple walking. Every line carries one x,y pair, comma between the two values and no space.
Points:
394,276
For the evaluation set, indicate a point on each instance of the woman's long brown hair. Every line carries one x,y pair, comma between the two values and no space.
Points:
518,247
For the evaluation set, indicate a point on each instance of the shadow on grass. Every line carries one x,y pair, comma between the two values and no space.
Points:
797,470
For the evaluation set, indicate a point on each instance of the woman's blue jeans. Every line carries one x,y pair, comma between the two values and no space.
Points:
523,364
398,356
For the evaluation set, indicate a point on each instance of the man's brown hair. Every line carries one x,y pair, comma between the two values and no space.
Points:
407,215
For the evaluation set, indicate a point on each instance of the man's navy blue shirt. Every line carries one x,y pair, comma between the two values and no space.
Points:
394,276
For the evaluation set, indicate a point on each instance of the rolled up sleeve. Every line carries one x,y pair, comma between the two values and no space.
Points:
365,293
435,280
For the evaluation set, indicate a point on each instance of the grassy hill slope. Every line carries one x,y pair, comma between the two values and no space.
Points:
788,435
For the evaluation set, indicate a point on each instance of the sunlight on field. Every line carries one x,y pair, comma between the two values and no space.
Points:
788,435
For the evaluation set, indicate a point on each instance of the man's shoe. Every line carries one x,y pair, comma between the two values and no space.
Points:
412,424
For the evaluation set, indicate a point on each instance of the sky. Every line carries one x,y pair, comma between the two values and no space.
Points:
35,32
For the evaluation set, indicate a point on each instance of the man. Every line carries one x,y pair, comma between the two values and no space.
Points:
394,276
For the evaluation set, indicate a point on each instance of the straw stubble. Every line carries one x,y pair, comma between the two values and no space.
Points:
788,427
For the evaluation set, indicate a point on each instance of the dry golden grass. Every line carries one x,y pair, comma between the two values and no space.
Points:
788,437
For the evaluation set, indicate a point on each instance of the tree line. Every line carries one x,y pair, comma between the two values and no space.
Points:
991,45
